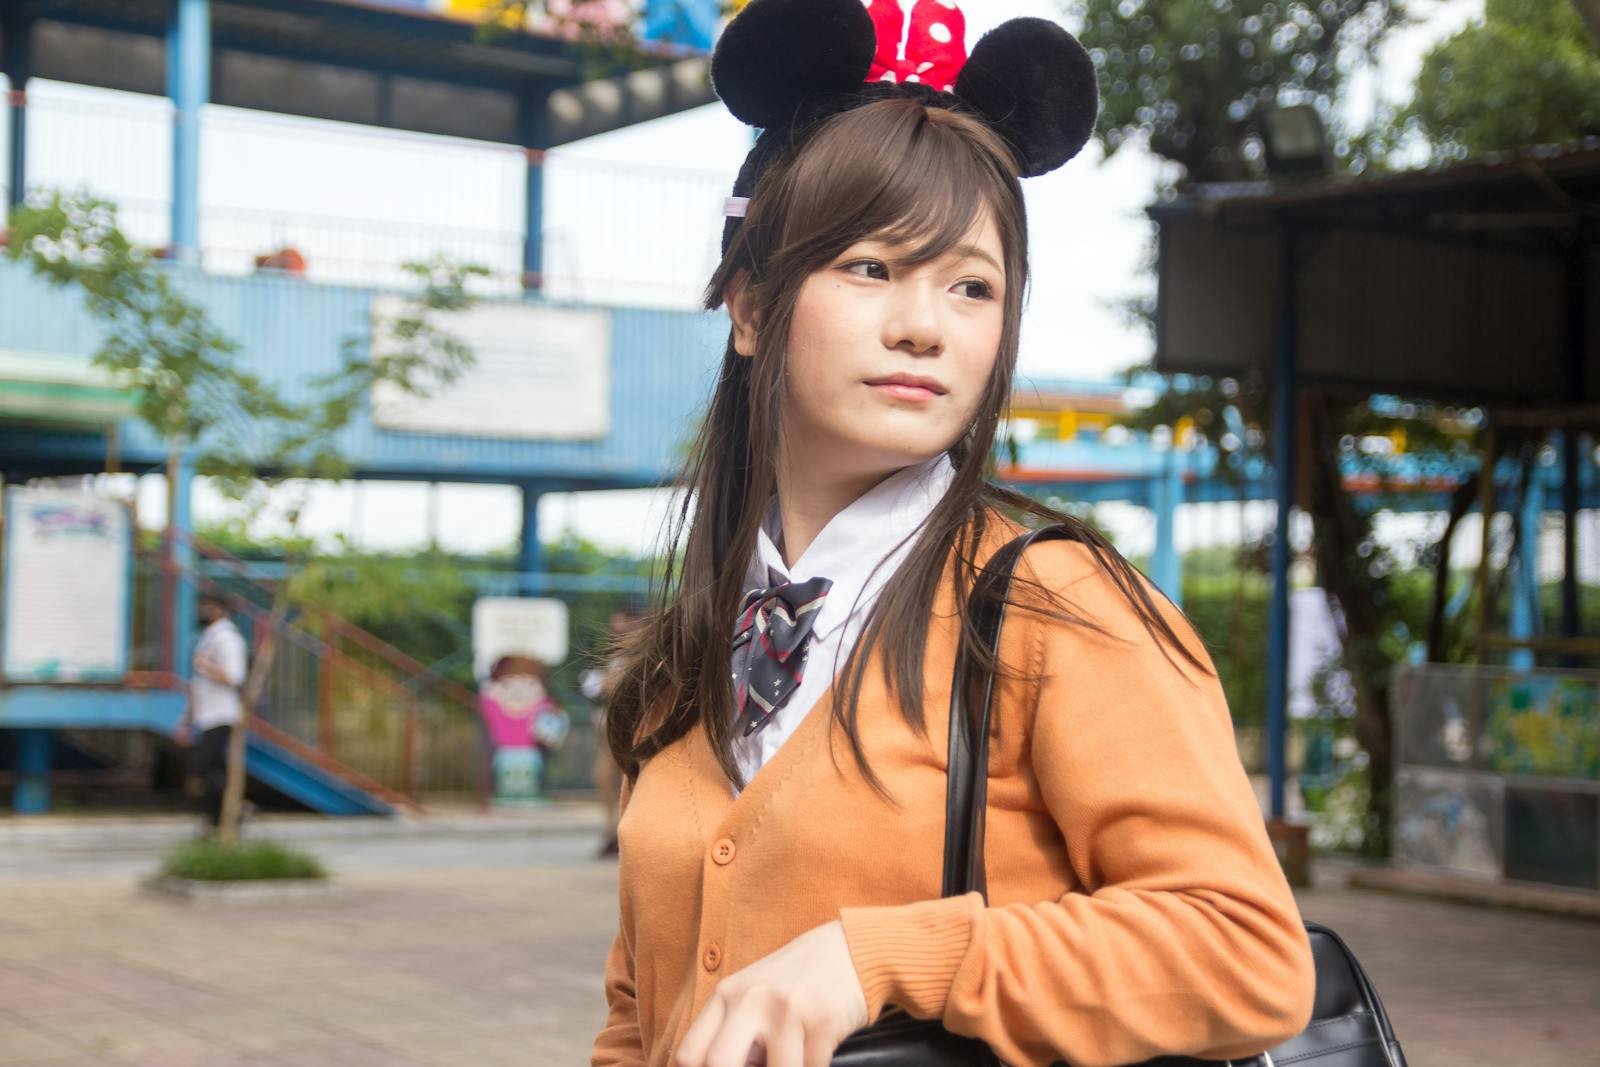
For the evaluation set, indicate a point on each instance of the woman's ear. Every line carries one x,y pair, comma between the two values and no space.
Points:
738,300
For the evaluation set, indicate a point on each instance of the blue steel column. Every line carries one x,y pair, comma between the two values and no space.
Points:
1166,493
1524,622
32,795
186,594
1283,465
189,86
533,232
17,63
1575,328
533,134
530,558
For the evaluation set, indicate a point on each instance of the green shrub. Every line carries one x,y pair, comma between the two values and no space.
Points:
208,861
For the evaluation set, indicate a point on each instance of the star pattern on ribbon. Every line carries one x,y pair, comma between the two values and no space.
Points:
770,643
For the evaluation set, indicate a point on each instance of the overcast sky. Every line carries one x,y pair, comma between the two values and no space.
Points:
261,174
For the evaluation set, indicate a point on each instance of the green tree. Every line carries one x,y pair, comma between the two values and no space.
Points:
251,438
1190,78
1528,74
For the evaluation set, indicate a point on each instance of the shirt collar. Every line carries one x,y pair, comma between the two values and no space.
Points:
861,547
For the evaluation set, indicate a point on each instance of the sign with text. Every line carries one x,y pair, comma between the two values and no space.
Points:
537,373
517,626
68,586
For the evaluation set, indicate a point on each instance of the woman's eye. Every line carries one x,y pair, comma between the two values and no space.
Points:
978,290
870,264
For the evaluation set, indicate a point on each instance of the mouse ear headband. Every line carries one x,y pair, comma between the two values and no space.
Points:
782,65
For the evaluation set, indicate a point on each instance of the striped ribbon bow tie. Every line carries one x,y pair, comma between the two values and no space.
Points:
769,645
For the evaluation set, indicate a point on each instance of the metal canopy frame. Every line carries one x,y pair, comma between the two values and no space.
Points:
396,68
1475,283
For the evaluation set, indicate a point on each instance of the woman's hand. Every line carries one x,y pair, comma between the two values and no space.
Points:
789,1009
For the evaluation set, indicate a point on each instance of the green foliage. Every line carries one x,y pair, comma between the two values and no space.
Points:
207,860
300,439
421,602
371,589
154,338
191,384
1192,76
1229,610
1528,74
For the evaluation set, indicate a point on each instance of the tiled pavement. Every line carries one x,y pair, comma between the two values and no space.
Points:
498,962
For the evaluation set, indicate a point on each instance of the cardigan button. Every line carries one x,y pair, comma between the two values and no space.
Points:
722,852
713,958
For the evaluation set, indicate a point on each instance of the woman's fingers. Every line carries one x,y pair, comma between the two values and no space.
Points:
819,1049
744,1027
786,1042
791,1008
697,1041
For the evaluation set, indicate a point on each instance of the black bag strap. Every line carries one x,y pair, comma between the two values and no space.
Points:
967,794
967,781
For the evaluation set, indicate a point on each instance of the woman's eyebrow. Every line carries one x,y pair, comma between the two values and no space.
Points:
974,252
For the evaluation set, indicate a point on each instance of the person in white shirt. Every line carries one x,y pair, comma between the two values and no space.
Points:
215,706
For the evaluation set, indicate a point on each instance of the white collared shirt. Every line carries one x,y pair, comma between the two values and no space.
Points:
858,550
215,703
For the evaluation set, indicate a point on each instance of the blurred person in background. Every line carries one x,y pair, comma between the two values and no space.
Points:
215,703
598,685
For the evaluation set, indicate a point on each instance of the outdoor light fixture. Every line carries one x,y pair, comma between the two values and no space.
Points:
1295,142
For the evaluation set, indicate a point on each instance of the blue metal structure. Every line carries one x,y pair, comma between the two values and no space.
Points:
189,87
34,712
662,363
400,66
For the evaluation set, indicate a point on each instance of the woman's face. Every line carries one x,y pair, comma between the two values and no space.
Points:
887,363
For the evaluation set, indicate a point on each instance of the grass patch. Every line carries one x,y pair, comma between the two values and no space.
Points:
207,861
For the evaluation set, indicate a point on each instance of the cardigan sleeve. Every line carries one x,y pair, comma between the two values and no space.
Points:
619,1043
1183,937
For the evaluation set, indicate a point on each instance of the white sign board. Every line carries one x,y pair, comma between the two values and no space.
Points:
517,626
68,586
538,373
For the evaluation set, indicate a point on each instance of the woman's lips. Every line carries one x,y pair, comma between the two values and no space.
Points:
903,391
912,387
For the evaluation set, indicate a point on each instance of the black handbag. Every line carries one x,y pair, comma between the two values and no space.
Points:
1348,1027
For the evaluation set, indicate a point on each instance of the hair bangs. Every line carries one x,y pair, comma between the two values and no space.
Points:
898,174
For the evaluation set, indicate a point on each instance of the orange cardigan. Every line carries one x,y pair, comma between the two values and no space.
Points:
1135,904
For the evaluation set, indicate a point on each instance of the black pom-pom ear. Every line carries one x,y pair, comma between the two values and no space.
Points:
1035,84
775,53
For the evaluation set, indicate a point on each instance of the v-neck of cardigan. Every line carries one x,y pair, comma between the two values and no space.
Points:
723,811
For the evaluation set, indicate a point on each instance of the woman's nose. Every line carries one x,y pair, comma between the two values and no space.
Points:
914,319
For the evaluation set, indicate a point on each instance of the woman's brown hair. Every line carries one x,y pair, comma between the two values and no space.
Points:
917,177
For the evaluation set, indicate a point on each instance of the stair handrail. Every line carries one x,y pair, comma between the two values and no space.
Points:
402,661
285,629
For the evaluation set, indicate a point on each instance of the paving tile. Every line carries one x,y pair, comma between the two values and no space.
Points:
23,1046
481,967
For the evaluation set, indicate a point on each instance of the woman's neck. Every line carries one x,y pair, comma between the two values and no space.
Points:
808,501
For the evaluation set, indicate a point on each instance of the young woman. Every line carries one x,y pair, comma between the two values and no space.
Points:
781,718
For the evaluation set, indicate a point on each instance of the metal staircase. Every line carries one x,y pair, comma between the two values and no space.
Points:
346,723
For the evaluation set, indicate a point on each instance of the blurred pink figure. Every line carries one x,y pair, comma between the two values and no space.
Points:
607,18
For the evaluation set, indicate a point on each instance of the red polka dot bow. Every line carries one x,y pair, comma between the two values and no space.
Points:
926,45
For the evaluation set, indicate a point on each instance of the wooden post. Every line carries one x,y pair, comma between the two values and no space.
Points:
413,744
325,669
169,566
